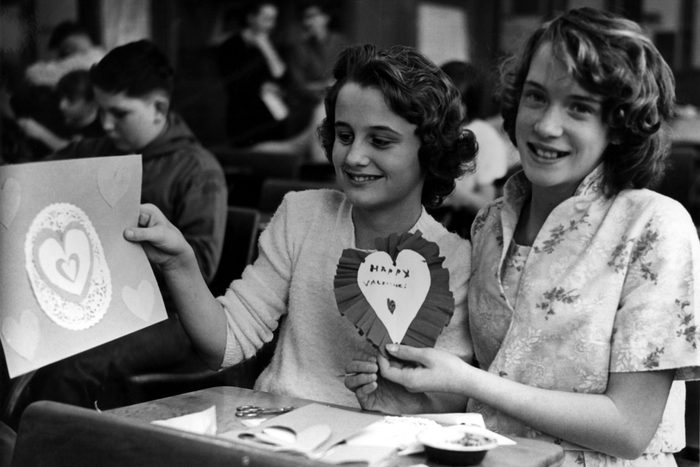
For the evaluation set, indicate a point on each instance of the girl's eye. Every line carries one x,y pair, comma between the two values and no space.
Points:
533,97
582,109
381,143
344,137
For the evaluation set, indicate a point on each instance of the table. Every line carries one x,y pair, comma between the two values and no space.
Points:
527,453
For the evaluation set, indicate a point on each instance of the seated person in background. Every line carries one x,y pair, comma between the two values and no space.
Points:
318,49
132,86
72,48
387,172
252,72
583,297
76,101
475,190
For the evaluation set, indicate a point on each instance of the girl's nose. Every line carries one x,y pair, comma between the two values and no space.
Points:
357,154
549,124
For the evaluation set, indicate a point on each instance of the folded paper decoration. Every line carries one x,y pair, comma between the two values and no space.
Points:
69,279
399,293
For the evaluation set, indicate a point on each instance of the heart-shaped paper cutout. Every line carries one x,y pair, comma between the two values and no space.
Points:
22,335
10,197
405,283
140,301
66,265
113,182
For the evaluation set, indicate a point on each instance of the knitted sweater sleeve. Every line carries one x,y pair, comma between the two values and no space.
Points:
254,303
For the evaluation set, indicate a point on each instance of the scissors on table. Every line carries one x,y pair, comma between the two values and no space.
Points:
252,411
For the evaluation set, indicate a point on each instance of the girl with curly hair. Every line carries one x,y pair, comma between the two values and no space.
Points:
393,135
584,287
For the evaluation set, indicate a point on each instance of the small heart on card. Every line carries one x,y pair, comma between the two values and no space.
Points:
10,197
391,305
140,301
66,262
22,335
113,182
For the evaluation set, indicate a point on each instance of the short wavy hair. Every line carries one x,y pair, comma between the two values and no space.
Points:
609,56
418,91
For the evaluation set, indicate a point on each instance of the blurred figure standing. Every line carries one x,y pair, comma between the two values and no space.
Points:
253,70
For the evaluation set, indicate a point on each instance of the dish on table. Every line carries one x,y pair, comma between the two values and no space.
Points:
457,444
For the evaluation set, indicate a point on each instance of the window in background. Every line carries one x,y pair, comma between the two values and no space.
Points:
125,21
443,32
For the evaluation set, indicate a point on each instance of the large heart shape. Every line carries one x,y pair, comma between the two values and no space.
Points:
22,335
140,301
10,197
113,182
396,291
66,265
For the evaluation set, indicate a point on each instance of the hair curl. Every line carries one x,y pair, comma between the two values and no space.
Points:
136,69
607,55
418,91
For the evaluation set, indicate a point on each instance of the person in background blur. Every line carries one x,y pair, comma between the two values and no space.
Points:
253,70
70,48
314,56
76,101
475,190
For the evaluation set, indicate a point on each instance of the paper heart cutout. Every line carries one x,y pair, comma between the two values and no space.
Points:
22,335
113,182
10,194
140,301
430,295
405,282
67,266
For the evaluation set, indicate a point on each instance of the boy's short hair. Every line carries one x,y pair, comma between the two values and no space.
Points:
75,85
418,91
135,69
610,56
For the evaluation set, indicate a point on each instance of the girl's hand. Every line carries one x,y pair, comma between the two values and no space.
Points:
376,393
163,243
433,369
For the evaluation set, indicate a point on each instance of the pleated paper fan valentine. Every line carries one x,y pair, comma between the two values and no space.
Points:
399,293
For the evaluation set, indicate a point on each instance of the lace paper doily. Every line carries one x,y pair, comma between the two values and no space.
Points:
433,313
67,268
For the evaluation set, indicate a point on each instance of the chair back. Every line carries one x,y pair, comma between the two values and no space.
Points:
681,180
274,189
52,434
239,247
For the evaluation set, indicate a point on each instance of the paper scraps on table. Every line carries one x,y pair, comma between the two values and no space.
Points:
69,279
397,294
203,422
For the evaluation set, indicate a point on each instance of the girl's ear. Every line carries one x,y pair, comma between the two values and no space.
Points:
162,106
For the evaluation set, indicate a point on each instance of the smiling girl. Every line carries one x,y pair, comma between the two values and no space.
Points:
582,300
393,134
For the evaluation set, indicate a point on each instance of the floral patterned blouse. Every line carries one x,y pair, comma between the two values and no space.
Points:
609,285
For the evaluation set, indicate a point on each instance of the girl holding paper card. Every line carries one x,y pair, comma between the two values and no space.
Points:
583,297
393,133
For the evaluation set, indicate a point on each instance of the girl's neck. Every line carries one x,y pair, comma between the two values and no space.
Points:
535,212
370,225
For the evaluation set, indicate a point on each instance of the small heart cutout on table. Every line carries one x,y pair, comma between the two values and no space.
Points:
22,335
113,183
10,197
140,301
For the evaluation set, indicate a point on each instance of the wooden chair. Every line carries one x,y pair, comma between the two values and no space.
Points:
681,180
274,189
58,435
239,248
266,164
